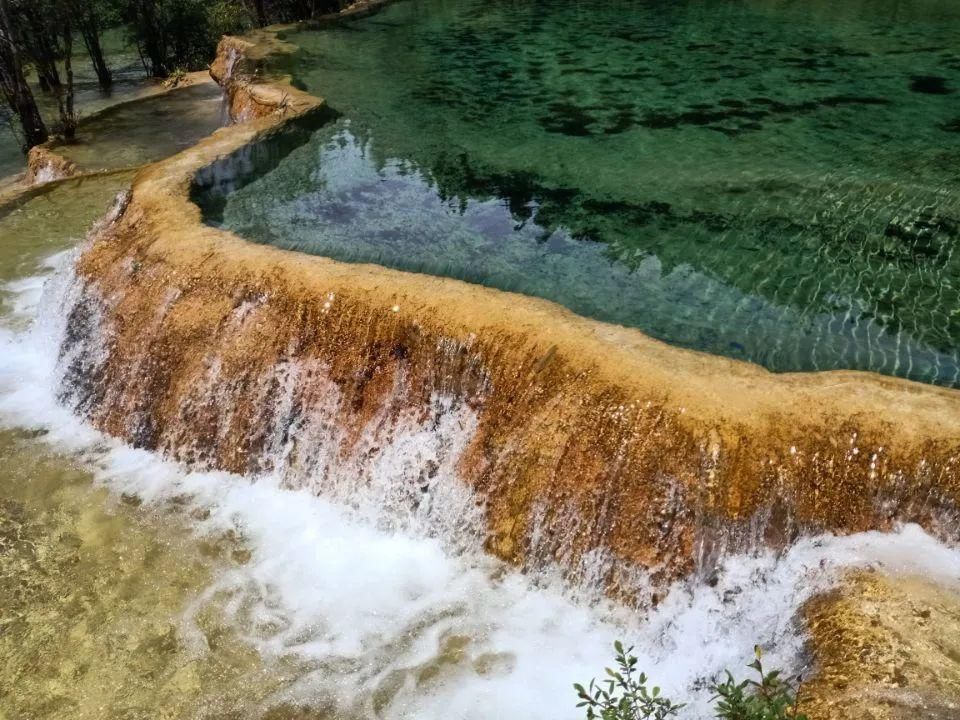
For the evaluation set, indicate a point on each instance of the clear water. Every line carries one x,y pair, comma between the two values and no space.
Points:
146,130
777,182
52,219
129,82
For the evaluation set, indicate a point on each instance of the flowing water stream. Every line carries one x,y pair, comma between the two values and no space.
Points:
132,587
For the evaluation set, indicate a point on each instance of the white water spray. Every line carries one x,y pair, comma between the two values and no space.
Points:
393,602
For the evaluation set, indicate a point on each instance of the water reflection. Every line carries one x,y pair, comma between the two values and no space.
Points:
708,282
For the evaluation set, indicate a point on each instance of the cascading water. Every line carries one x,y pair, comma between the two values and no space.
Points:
366,445
366,568
233,56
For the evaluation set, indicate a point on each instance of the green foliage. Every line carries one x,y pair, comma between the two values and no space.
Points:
183,33
175,78
229,17
290,10
625,695
769,698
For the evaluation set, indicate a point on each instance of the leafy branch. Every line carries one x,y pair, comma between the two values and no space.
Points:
625,695
770,698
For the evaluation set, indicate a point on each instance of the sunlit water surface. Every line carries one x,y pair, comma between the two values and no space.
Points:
129,82
778,182
178,119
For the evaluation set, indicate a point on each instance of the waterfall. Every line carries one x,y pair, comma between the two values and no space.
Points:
267,362
366,566
232,57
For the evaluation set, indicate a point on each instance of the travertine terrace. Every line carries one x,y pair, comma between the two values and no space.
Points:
592,440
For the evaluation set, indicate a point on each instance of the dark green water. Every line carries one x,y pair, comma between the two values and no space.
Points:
772,181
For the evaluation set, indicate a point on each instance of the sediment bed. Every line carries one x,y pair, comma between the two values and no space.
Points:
589,445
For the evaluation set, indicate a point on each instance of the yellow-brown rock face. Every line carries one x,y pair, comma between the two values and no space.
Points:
44,165
234,68
591,442
886,650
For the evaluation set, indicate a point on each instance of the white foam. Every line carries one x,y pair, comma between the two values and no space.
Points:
373,603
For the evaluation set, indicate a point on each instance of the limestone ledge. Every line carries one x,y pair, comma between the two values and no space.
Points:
888,647
44,165
591,437
235,66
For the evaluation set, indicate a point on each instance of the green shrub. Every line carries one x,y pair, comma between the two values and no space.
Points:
770,698
624,695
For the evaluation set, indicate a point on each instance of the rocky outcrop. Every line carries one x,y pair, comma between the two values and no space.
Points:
889,647
44,165
235,69
230,51
237,63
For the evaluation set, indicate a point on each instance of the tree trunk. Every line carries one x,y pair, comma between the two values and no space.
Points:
37,41
14,85
46,66
68,115
151,38
261,13
51,76
90,30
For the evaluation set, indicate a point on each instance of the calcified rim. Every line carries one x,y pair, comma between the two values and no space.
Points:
838,450
711,388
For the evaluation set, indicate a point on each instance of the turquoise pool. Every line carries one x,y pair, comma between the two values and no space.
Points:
772,181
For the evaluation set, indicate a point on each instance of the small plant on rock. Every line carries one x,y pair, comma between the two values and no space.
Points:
175,79
769,698
624,696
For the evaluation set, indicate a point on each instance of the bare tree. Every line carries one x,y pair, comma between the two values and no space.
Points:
151,36
88,21
13,84
30,23
68,113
